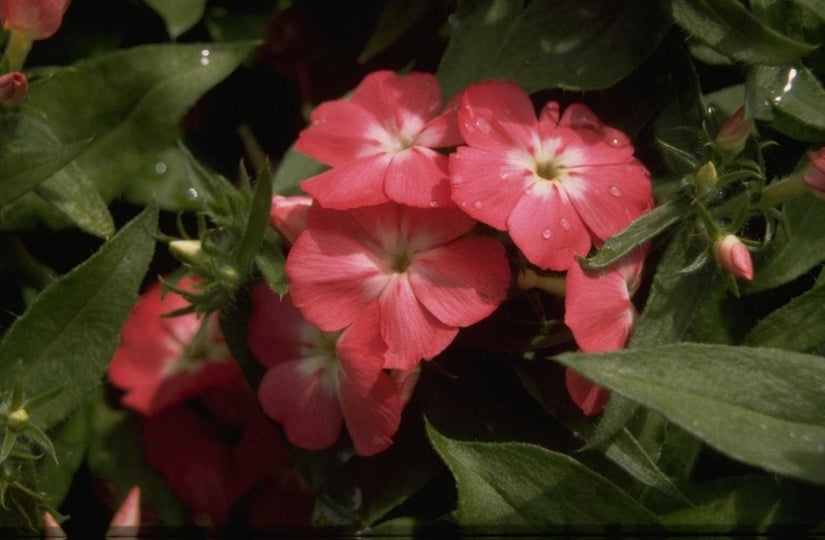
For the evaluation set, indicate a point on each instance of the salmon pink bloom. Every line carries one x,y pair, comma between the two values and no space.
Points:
288,216
166,360
36,19
599,311
315,380
409,268
558,184
380,143
734,257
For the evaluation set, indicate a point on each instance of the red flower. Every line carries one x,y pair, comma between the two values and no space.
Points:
37,19
165,360
408,268
599,311
380,144
288,216
556,184
315,380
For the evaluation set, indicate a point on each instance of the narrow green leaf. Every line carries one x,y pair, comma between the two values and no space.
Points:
270,262
520,488
25,169
729,28
257,223
67,337
76,197
759,406
798,326
804,249
180,15
396,18
639,231
294,167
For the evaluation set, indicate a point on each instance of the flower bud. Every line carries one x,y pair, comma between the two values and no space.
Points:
734,257
18,420
814,174
706,178
289,216
35,19
187,251
734,134
13,88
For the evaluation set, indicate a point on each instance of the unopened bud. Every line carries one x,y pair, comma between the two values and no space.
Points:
18,420
734,134
187,251
13,88
814,175
705,178
733,256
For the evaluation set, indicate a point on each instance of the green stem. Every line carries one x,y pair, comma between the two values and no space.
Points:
786,189
17,50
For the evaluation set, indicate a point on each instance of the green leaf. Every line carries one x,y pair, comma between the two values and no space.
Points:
76,197
295,166
798,326
804,249
639,231
796,97
759,406
519,488
396,17
257,223
550,44
67,337
180,15
729,28
816,6
70,439
26,168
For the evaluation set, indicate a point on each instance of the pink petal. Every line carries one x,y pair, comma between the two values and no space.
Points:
498,116
128,514
485,185
609,197
598,309
332,278
463,282
51,528
428,228
298,398
401,99
442,131
340,131
405,381
372,420
181,386
418,177
355,183
288,215
410,331
274,327
588,396
547,229
361,350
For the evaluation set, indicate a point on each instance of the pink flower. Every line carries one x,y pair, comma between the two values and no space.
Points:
37,19
734,257
13,88
556,184
124,522
315,380
380,143
288,216
814,174
599,311
409,269
165,360
734,133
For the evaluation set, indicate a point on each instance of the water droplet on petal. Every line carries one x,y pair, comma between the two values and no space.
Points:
478,205
469,126
546,233
464,204
483,125
456,179
565,224
613,190
614,141
433,204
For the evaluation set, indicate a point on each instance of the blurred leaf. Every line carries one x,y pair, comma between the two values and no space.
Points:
180,15
230,20
520,488
295,166
396,17
744,505
78,199
163,179
817,7
270,263
759,406
26,168
561,44
67,337
798,326
729,28
71,438
804,249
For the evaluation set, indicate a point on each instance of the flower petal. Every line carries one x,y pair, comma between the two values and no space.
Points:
588,396
410,331
408,101
361,350
340,131
418,177
462,282
442,131
299,400
547,229
355,183
288,215
274,327
372,420
498,116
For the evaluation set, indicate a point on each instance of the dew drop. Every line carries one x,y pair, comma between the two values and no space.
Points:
483,125
613,190
565,224
469,126
456,179
477,205
614,141
464,204
160,167
192,194
546,233
433,204
205,57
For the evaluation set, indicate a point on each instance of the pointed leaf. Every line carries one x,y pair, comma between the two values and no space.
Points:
70,440
76,197
69,334
759,406
257,223
180,15
25,169
798,326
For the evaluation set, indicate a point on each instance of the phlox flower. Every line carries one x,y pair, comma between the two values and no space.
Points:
599,311
380,143
411,270
165,360
556,183
316,380
36,19
288,215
